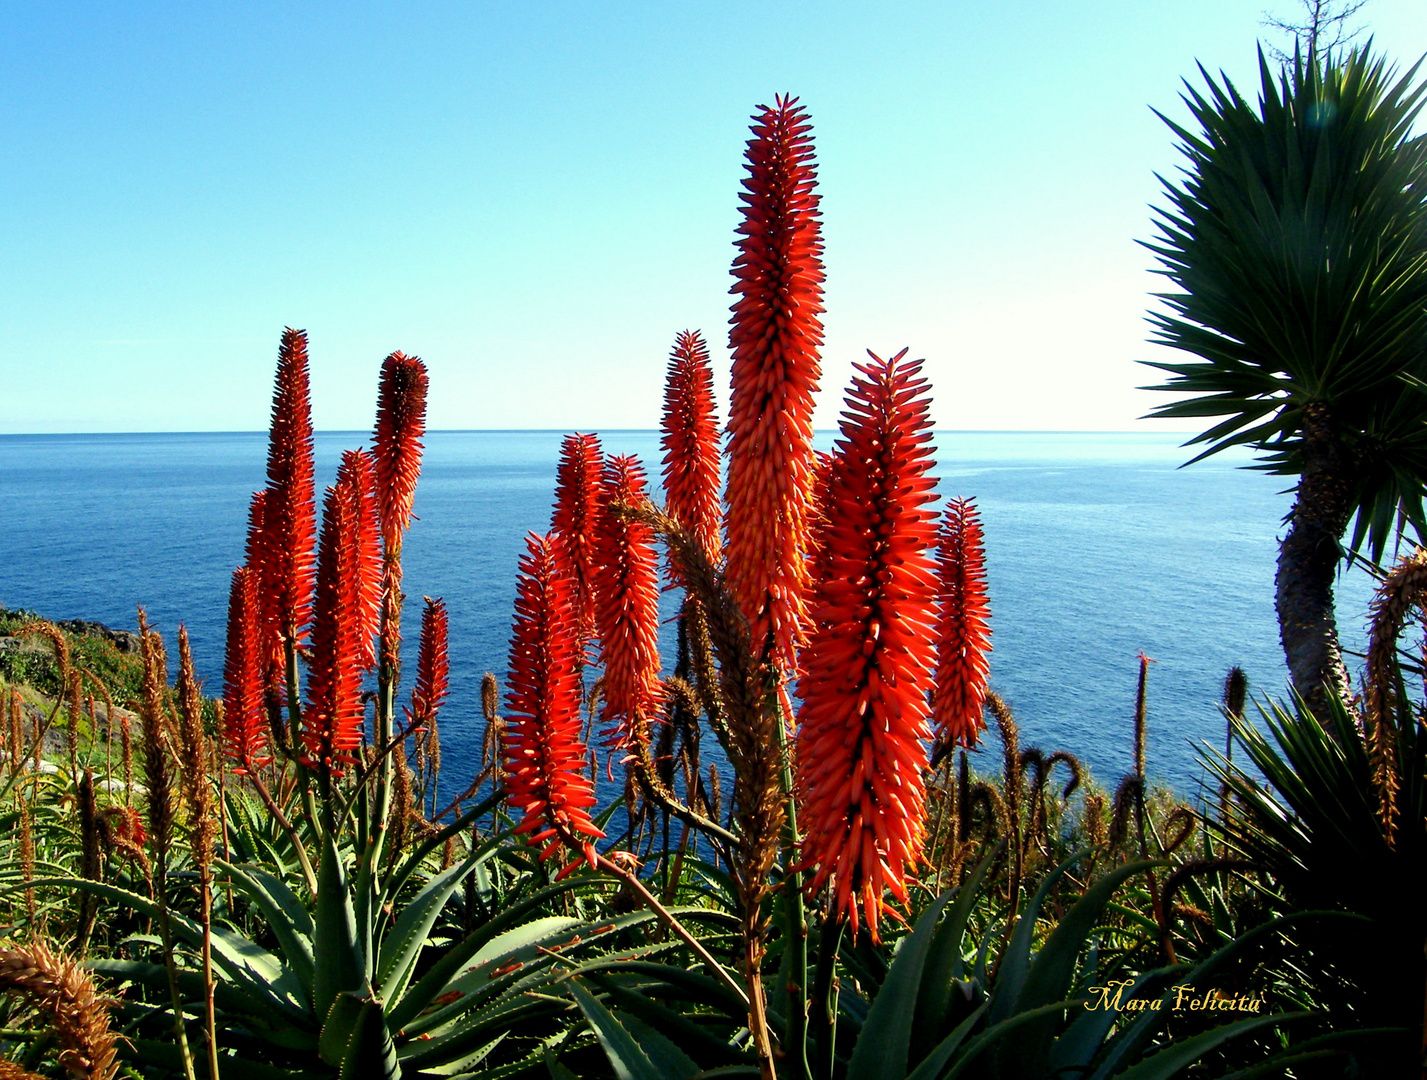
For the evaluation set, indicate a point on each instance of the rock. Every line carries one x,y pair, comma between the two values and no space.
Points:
126,641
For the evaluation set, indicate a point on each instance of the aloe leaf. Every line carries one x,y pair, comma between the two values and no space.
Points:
1167,1062
997,1032
519,943
408,866
1049,976
692,985
630,1062
1083,1038
944,964
370,1054
933,1064
338,958
168,1055
237,957
338,1026
881,1051
286,915
694,1037
403,943
279,1029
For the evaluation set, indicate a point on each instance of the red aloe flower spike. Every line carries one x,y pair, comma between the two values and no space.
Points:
258,559
546,773
290,521
691,444
627,607
775,338
356,476
332,722
868,663
245,719
963,628
432,666
574,521
396,443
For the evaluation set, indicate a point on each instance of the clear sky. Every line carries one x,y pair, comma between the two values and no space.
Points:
535,197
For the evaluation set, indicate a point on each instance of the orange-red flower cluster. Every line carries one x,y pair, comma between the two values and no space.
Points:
396,442
869,660
627,606
545,757
963,627
244,717
433,668
357,472
343,616
289,509
574,521
775,337
690,442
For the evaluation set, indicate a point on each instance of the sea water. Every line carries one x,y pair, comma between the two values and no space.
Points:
1098,547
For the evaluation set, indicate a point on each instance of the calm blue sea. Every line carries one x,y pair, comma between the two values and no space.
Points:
1098,546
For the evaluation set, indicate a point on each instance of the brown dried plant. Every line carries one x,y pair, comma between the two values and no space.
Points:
1401,592
64,991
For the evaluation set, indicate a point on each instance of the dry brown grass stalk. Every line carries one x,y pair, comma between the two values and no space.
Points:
64,991
1403,590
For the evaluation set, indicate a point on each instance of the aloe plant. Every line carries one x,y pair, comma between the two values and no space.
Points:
946,1010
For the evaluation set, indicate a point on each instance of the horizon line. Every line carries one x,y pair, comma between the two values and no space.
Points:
596,431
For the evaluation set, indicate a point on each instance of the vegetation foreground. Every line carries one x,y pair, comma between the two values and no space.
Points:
281,883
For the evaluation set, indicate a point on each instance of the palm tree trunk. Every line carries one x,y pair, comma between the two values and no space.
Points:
1308,558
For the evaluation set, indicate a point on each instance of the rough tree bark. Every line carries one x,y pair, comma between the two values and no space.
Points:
1308,559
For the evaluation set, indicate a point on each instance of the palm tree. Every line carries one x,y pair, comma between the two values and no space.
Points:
1297,240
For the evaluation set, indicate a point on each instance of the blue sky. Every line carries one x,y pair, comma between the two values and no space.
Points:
536,197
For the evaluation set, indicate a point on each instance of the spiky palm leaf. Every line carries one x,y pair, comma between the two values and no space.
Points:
1297,240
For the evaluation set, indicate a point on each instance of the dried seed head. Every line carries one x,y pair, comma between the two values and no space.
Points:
64,990
1402,591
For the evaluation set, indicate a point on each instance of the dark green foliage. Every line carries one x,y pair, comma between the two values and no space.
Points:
1297,242
1312,826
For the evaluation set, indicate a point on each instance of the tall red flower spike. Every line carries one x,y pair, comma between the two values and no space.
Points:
433,669
396,443
245,721
868,664
545,758
259,561
289,508
332,722
356,476
691,443
775,338
627,606
576,514
963,627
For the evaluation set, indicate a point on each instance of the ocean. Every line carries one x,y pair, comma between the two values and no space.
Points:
1098,546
